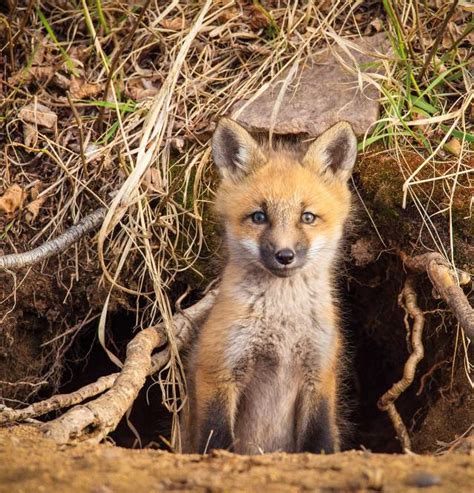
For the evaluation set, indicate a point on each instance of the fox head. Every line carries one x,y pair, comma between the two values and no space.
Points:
283,211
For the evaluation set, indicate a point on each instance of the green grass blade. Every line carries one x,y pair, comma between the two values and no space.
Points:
100,15
49,30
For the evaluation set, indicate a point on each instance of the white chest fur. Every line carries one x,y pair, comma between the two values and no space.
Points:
288,321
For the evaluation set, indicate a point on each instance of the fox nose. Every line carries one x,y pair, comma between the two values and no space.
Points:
285,256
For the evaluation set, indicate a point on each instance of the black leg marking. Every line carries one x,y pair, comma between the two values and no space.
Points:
319,434
216,432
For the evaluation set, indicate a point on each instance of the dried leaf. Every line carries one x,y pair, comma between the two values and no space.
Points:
453,147
257,19
33,208
139,89
35,189
447,37
39,114
176,24
377,24
79,53
30,135
80,89
12,199
152,180
26,75
228,14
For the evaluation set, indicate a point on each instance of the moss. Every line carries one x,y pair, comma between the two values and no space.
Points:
380,181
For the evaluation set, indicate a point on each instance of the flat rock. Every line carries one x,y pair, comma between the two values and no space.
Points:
321,93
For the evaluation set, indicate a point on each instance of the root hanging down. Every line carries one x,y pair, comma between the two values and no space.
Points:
56,245
446,282
408,300
94,420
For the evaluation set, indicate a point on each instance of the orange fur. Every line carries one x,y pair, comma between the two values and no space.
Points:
264,371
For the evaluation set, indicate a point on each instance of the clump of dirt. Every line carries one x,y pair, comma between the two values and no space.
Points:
29,462
451,412
41,318
381,176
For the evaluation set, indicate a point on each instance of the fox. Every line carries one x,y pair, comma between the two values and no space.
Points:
264,372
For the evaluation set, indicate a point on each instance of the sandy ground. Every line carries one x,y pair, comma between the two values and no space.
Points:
30,463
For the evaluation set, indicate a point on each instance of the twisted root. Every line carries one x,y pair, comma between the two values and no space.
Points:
94,420
408,300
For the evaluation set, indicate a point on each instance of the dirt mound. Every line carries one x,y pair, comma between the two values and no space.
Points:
31,463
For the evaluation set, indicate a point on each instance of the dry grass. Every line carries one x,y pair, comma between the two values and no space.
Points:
171,68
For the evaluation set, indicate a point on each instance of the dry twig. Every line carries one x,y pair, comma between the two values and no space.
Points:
438,38
408,301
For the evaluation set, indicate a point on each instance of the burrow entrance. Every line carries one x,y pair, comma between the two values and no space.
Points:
376,346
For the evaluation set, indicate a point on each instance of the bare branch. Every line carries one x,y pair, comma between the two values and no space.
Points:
408,300
55,246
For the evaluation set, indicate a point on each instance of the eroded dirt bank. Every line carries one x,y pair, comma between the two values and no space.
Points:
29,463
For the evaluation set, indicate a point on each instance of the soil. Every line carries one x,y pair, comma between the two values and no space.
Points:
29,462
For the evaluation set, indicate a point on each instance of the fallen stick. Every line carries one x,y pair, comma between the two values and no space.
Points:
56,245
408,300
186,323
445,282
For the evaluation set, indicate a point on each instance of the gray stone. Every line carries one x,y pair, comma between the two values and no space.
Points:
424,479
322,93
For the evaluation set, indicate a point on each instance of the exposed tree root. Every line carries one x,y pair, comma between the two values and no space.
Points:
446,283
408,300
94,420
55,246
59,401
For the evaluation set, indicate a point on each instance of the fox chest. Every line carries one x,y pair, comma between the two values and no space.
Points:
278,341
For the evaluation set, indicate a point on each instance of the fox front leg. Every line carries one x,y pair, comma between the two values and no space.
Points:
215,417
317,428
216,426
320,434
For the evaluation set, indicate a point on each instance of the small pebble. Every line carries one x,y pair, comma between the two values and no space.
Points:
424,479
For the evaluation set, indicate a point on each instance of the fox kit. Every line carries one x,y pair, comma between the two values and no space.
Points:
264,370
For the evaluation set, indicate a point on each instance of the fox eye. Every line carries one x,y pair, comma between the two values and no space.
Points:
259,217
308,218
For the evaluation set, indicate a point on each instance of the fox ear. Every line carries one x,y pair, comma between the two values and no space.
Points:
334,152
234,150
